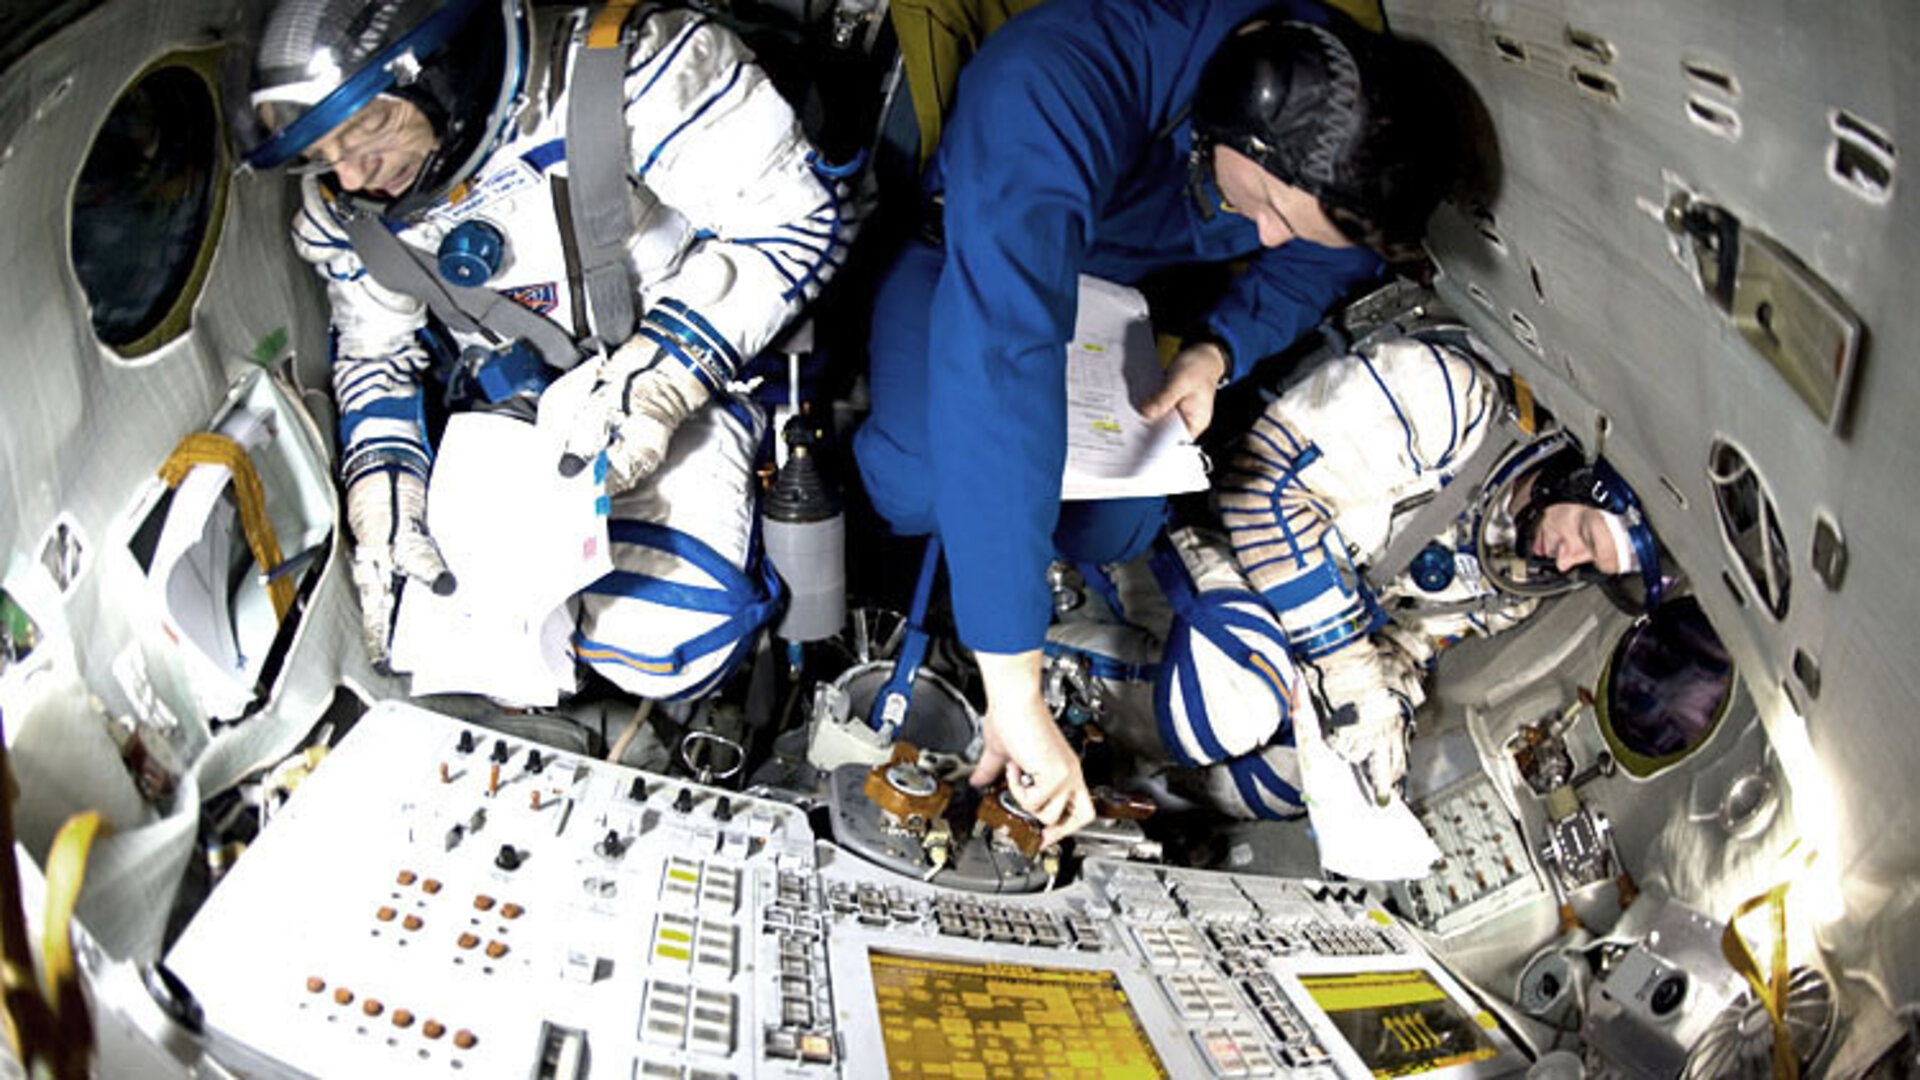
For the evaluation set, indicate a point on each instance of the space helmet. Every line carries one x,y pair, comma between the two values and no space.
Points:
318,62
1337,112
1553,469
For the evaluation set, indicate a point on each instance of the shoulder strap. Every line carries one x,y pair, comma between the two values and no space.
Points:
466,309
1434,515
597,172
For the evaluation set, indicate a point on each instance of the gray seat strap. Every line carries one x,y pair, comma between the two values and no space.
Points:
464,309
598,182
1447,504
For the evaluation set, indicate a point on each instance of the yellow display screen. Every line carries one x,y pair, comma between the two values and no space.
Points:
1400,1022
955,1020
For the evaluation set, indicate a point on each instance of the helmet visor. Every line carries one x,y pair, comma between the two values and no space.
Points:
301,104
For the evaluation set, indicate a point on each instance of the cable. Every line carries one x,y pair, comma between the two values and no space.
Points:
632,729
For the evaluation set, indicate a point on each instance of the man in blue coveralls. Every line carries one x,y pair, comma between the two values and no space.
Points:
1117,138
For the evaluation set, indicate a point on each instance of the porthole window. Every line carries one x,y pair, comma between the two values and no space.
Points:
1665,688
1750,525
147,207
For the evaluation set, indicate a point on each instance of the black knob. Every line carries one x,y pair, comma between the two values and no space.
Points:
683,802
612,846
500,754
508,859
723,809
637,791
1668,994
535,763
466,742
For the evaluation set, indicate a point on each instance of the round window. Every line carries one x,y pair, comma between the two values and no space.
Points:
1665,687
147,208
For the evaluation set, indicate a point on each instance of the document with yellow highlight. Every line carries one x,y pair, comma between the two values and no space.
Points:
1112,369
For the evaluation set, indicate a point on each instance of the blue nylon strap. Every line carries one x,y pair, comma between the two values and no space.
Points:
373,79
1100,581
754,602
674,542
1215,623
897,694
1256,778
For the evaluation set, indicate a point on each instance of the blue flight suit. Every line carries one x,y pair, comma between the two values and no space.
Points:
1066,153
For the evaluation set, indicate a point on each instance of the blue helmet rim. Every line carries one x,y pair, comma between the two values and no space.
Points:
374,78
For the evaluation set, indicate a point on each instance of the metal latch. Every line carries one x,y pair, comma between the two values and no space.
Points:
1785,311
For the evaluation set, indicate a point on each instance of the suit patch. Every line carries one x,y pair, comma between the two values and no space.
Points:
540,299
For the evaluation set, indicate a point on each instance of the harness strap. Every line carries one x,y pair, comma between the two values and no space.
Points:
1446,506
470,309
1216,624
211,448
890,707
598,186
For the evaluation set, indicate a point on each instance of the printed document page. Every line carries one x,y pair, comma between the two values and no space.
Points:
1112,368
520,540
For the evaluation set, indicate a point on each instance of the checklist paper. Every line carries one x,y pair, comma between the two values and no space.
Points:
521,540
1112,369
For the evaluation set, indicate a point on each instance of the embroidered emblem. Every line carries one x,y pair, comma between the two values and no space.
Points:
539,299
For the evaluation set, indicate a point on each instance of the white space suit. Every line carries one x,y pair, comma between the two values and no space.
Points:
1318,487
737,226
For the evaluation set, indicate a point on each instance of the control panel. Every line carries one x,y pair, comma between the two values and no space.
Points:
438,900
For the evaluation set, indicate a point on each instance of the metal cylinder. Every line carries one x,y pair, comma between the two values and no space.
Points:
806,537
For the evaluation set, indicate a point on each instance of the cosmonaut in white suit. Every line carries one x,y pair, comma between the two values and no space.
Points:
1314,500
447,125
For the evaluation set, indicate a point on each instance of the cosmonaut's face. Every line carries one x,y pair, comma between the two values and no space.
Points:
379,150
1574,534
1279,210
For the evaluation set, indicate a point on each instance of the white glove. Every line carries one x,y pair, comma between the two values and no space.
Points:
387,511
1371,733
637,397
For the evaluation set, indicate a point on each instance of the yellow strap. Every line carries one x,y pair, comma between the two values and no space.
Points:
1772,989
1523,405
604,32
66,872
207,448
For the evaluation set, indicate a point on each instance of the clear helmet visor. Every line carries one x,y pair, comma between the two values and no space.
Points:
1596,536
1504,559
331,70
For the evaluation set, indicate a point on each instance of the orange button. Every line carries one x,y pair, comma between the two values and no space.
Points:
511,911
407,877
371,1007
430,886
496,949
343,996
315,984
483,902
412,922
468,941
464,1039
402,1018
433,1029
385,914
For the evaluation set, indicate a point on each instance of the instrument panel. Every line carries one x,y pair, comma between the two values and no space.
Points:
440,900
